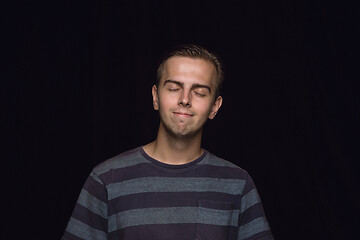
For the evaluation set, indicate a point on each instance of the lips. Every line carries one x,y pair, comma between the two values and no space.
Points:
183,114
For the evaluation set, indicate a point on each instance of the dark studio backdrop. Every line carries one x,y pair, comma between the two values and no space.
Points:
76,90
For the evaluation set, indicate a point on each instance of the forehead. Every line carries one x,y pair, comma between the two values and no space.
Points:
189,69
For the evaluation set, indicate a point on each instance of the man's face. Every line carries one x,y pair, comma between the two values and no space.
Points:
185,96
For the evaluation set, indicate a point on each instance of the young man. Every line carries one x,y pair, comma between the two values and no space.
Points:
171,188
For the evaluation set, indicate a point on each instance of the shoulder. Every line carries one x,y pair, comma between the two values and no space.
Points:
123,160
224,165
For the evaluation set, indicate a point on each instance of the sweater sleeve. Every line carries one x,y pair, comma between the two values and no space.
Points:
89,218
252,220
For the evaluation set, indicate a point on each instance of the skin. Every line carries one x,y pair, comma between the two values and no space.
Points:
185,100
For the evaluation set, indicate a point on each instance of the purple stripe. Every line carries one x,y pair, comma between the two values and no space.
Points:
130,158
206,231
148,170
251,213
175,232
96,189
173,168
69,236
223,205
233,232
249,185
168,199
265,235
93,220
156,231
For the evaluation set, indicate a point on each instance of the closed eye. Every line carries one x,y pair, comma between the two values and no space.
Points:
173,89
200,94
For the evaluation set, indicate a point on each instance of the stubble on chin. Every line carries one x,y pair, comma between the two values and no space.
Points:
178,131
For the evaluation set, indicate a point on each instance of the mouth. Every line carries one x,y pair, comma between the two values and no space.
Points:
183,114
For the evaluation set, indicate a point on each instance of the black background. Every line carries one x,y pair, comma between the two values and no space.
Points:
76,90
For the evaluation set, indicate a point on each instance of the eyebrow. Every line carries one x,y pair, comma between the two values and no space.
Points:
196,85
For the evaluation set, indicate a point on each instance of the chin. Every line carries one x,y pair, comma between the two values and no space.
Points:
178,132
183,134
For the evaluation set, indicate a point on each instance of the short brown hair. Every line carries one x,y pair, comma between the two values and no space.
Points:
193,51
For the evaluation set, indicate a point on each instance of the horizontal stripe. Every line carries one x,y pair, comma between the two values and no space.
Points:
173,168
148,170
176,215
156,232
218,217
250,185
148,216
213,232
220,205
264,235
256,226
92,203
96,178
96,189
69,236
251,213
250,199
93,220
211,159
168,199
159,184
84,231
135,157
126,159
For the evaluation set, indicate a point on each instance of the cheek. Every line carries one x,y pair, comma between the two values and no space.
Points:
165,106
205,108
167,101
163,103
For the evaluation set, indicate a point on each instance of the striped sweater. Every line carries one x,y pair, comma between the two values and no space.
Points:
133,196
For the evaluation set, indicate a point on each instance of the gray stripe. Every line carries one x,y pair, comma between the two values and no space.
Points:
120,161
175,215
84,231
249,200
96,178
258,225
159,184
92,203
218,217
216,161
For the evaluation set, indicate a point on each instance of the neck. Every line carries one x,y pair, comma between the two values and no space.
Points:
174,150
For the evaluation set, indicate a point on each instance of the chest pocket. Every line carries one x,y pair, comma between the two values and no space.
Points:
214,220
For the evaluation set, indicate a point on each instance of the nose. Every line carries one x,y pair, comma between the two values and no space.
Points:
185,99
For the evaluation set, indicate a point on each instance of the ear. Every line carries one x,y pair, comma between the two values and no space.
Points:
155,97
215,108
